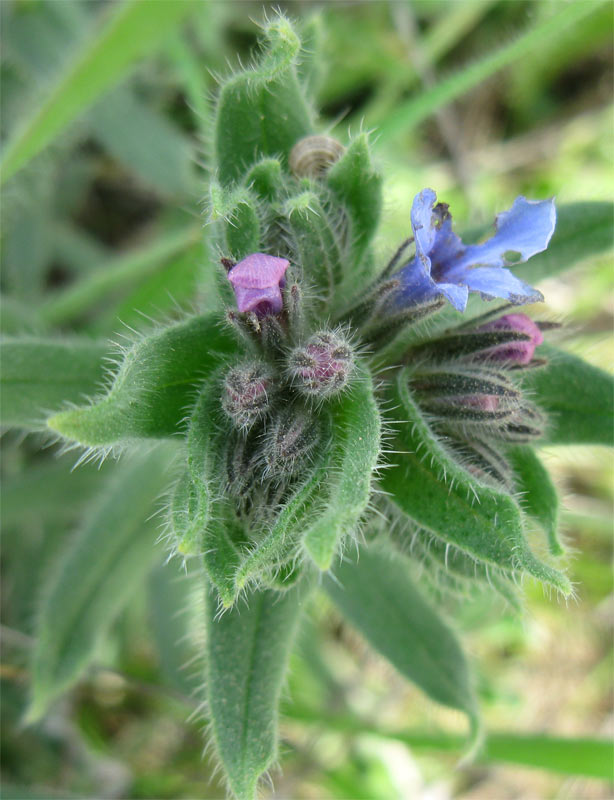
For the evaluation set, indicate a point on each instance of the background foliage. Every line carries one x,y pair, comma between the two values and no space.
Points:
482,100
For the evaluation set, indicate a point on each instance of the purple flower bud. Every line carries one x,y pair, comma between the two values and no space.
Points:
257,282
246,393
322,367
514,352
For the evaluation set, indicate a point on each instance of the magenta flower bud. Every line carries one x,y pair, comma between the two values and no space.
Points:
322,367
257,282
483,402
514,352
246,393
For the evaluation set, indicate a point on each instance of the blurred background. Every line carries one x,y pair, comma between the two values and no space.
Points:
103,230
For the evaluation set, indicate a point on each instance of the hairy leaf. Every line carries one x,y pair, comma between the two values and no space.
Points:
355,431
112,553
153,387
435,491
539,497
262,112
577,397
247,652
358,187
374,591
40,375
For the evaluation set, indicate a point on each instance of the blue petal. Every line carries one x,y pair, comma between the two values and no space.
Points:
417,286
447,246
496,282
525,229
457,295
423,227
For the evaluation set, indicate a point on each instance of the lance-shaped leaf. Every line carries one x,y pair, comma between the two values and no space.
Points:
355,431
213,523
247,652
319,252
428,485
262,112
239,211
358,187
279,542
265,179
538,495
452,569
153,386
374,591
110,556
577,397
40,375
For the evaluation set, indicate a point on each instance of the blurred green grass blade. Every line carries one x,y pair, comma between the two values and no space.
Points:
583,756
145,141
116,274
590,757
42,375
134,30
375,593
412,112
453,24
109,558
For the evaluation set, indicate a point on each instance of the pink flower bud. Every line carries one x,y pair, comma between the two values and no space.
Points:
257,281
322,367
246,393
515,352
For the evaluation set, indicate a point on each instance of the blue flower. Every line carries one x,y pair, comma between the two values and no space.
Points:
443,265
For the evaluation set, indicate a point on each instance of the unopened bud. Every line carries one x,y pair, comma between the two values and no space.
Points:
247,393
290,442
323,366
514,352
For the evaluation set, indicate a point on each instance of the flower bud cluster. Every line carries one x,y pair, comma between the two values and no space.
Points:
272,402
465,382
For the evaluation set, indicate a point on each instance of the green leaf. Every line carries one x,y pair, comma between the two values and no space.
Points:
110,556
577,397
318,251
374,591
279,541
441,496
133,31
247,652
413,111
450,568
264,179
262,112
539,497
358,187
238,209
355,431
153,387
40,375
212,516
